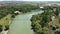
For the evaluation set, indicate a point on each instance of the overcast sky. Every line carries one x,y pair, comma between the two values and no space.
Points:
29,0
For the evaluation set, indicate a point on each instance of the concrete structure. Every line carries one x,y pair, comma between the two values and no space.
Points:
16,12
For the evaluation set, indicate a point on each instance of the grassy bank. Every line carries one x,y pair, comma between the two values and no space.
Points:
5,22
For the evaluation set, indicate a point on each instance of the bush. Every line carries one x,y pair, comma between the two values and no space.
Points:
13,16
6,27
57,32
1,28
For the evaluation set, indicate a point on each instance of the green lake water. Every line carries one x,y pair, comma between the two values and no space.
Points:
22,24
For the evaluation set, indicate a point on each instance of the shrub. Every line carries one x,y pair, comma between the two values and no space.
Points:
6,27
13,16
1,28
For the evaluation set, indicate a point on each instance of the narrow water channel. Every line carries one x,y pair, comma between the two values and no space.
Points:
22,24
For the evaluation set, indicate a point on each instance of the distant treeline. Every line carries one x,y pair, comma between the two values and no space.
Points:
4,10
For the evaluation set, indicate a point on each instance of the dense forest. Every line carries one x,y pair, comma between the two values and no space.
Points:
4,10
47,22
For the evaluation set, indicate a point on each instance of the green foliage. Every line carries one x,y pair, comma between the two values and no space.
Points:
57,32
5,10
6,27
40,22
57,11
1,28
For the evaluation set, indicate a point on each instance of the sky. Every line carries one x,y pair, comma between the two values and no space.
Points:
29,0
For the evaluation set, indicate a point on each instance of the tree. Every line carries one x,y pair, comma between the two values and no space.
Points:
1,28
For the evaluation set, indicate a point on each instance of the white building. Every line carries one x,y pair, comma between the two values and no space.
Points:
41,7
53,18
16,12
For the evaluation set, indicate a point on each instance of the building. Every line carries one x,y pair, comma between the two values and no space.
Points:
52,18
41,7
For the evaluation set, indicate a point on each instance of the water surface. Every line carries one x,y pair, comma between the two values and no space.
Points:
22,24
